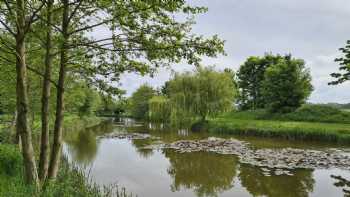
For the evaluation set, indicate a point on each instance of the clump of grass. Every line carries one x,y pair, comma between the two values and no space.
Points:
10,160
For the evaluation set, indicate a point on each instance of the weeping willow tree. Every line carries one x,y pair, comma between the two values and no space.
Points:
159,109
200,94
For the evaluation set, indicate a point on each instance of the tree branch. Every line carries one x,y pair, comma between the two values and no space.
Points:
7,28
106,21
75,10
32,17
41,75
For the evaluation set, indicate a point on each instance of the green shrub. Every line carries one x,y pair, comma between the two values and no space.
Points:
10,160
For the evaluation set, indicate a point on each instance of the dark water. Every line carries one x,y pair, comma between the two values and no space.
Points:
165,173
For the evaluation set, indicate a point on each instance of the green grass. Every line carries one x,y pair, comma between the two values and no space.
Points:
252,124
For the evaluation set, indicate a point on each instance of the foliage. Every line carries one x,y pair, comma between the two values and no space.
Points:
7,88
139,101
203,93
164,90
159,109
10,160
5,128
111,106
144,36
344,69
249,80
286,85
82,99
90,103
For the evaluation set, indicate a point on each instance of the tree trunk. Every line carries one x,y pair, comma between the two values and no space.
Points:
44,148
57,141
22,126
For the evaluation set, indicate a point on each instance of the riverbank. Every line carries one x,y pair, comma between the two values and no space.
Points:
70,182
253,124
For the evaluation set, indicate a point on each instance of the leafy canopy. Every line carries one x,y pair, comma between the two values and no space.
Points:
249,79
286,85
139,101
203,93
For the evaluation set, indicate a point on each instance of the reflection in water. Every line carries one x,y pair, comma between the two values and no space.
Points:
83,149
208,174
298,185
156,126
342,183
82,145
183,132
139,144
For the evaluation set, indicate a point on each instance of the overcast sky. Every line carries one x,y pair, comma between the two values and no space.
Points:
309,29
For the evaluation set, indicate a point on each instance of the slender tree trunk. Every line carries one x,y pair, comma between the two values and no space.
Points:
44,148
57,141
22,126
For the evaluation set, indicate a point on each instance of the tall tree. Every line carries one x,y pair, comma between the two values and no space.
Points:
16,18
249,78
57,142
203,93
44,147
286,85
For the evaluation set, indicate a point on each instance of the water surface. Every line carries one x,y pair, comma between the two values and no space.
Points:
150,173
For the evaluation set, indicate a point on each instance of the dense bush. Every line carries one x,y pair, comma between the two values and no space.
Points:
5,135
10,160
139,102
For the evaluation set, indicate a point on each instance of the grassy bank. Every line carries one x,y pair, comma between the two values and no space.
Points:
259,123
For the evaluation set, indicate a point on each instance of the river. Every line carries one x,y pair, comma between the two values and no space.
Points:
167,173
